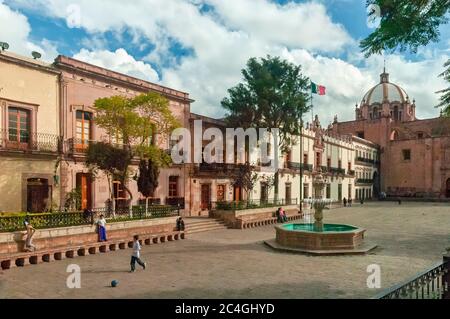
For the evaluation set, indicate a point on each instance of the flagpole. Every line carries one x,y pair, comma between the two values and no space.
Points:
312,105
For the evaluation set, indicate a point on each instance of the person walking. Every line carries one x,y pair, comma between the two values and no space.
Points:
345,202
136,257
30,233
101,226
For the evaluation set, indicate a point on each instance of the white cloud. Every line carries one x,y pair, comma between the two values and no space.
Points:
15,30
119,61
222,40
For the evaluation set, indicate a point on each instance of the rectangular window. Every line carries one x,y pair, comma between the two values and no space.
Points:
340,192
349,166
350,195
83,129
328,191
360,134
406,155
329,163
340,164
19,125
305,159
173,186
306,191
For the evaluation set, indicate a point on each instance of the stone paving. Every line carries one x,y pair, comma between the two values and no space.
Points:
236,263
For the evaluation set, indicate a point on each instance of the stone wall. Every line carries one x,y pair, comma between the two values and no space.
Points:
11,243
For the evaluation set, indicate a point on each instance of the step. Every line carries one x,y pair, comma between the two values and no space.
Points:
205,226
206,222
201,230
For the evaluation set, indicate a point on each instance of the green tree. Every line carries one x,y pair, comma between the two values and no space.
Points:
245,178
408,25
148,179
137,125
445,98
274,94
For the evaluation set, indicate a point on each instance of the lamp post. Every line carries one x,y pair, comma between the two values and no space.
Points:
301,163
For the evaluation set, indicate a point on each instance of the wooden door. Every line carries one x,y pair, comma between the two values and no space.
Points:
37,195
84,184
206,196
237,194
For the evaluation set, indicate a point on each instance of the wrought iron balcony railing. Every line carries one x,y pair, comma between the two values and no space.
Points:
364,181
367,160
298,166
24,141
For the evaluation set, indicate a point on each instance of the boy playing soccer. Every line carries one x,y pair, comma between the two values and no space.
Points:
136,257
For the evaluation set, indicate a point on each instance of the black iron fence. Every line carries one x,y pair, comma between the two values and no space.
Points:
433,283
13,140
252,204
65,219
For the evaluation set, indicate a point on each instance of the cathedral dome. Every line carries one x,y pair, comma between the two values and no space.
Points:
385,92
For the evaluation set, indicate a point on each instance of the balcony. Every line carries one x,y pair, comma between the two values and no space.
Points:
333,170
29,142
367,161
299,166
364,181
351,172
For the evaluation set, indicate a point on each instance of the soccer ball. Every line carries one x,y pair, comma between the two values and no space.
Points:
114,283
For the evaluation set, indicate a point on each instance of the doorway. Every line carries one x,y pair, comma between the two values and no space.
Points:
84,184
38,194
288,191
237,197
264,193
206,197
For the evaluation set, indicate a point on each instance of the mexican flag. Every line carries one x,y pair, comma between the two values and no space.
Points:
318,89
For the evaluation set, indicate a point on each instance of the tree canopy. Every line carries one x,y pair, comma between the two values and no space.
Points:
274,94
135,125
406,25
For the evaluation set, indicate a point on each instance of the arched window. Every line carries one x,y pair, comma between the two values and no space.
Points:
394,135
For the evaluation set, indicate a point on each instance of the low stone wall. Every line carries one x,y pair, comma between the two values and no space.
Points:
11,243
233,218
320,241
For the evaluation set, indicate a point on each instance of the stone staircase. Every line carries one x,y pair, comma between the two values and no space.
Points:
198,225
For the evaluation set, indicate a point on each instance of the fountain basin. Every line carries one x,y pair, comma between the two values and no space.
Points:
310,237
320,239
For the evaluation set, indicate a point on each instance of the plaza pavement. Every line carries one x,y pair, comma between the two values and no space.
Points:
236,263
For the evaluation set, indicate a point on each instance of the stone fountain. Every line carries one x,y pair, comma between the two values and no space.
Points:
319,238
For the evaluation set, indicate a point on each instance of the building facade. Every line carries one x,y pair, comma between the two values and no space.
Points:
414,154
82,84
29,135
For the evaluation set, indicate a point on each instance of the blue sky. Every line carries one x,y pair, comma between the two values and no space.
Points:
200,46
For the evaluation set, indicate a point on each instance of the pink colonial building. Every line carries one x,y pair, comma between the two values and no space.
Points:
81,85
415,154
